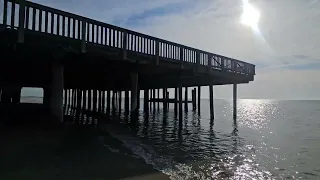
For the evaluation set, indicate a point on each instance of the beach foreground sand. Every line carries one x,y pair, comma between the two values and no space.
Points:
67,152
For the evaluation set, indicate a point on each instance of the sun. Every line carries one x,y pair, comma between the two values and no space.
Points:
250,15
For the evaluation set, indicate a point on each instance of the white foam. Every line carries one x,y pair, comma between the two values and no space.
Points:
165,164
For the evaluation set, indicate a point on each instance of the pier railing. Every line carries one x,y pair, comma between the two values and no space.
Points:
25,15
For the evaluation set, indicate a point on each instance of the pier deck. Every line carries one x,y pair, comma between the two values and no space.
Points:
102,56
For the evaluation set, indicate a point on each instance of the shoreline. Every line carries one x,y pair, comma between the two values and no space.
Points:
68,152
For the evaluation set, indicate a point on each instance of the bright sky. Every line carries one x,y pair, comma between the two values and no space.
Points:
282,37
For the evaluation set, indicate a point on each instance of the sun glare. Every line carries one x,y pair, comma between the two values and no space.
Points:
250,15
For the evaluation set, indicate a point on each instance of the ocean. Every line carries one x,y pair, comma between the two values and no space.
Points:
270,139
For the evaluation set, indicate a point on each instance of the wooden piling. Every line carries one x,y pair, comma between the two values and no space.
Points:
120,101
154,96
199,100
94,100
65,104
167,103
113,100
90,100
103,101
158,96
211,102
194,104
186,99
108,101
164,94
146,100
69,100
126,101
234,101
99,100
180,104
138,99
176,101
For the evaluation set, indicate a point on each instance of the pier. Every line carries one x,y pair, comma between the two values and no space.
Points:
84,65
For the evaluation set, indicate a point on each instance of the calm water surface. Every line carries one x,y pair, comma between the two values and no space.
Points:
269,140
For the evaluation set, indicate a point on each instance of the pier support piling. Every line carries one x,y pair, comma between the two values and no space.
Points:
194,106
199,99
186,99
146,100
120,101
57,91
234,101
126,101
134,93
108,101
89,100
180,104
176,101
211,102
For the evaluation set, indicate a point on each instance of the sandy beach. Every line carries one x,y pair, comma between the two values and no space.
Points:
40,151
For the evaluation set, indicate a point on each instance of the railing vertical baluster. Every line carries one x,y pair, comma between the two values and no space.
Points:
157,52
13,12
142,45
83,37
27,17
101,34
40,20
139,43
131,42
114,38
198,57
21,22
97,34
68,27
146,46
105,35
88,32
46,21
79,29
210,61
109,35
52,22
34,14
63,26
119,39
74,28
124,46
92,33
58,24
5,12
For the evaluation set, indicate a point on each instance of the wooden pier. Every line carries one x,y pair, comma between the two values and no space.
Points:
84,63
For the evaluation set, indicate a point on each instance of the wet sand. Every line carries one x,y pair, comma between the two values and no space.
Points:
42,151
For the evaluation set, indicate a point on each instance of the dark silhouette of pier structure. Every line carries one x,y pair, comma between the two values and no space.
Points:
86,64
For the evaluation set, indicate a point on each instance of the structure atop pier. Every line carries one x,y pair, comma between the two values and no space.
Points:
52,49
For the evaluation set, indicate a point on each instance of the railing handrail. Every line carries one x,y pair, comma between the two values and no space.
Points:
99,23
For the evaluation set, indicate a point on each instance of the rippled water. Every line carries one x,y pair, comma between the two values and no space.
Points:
269,140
